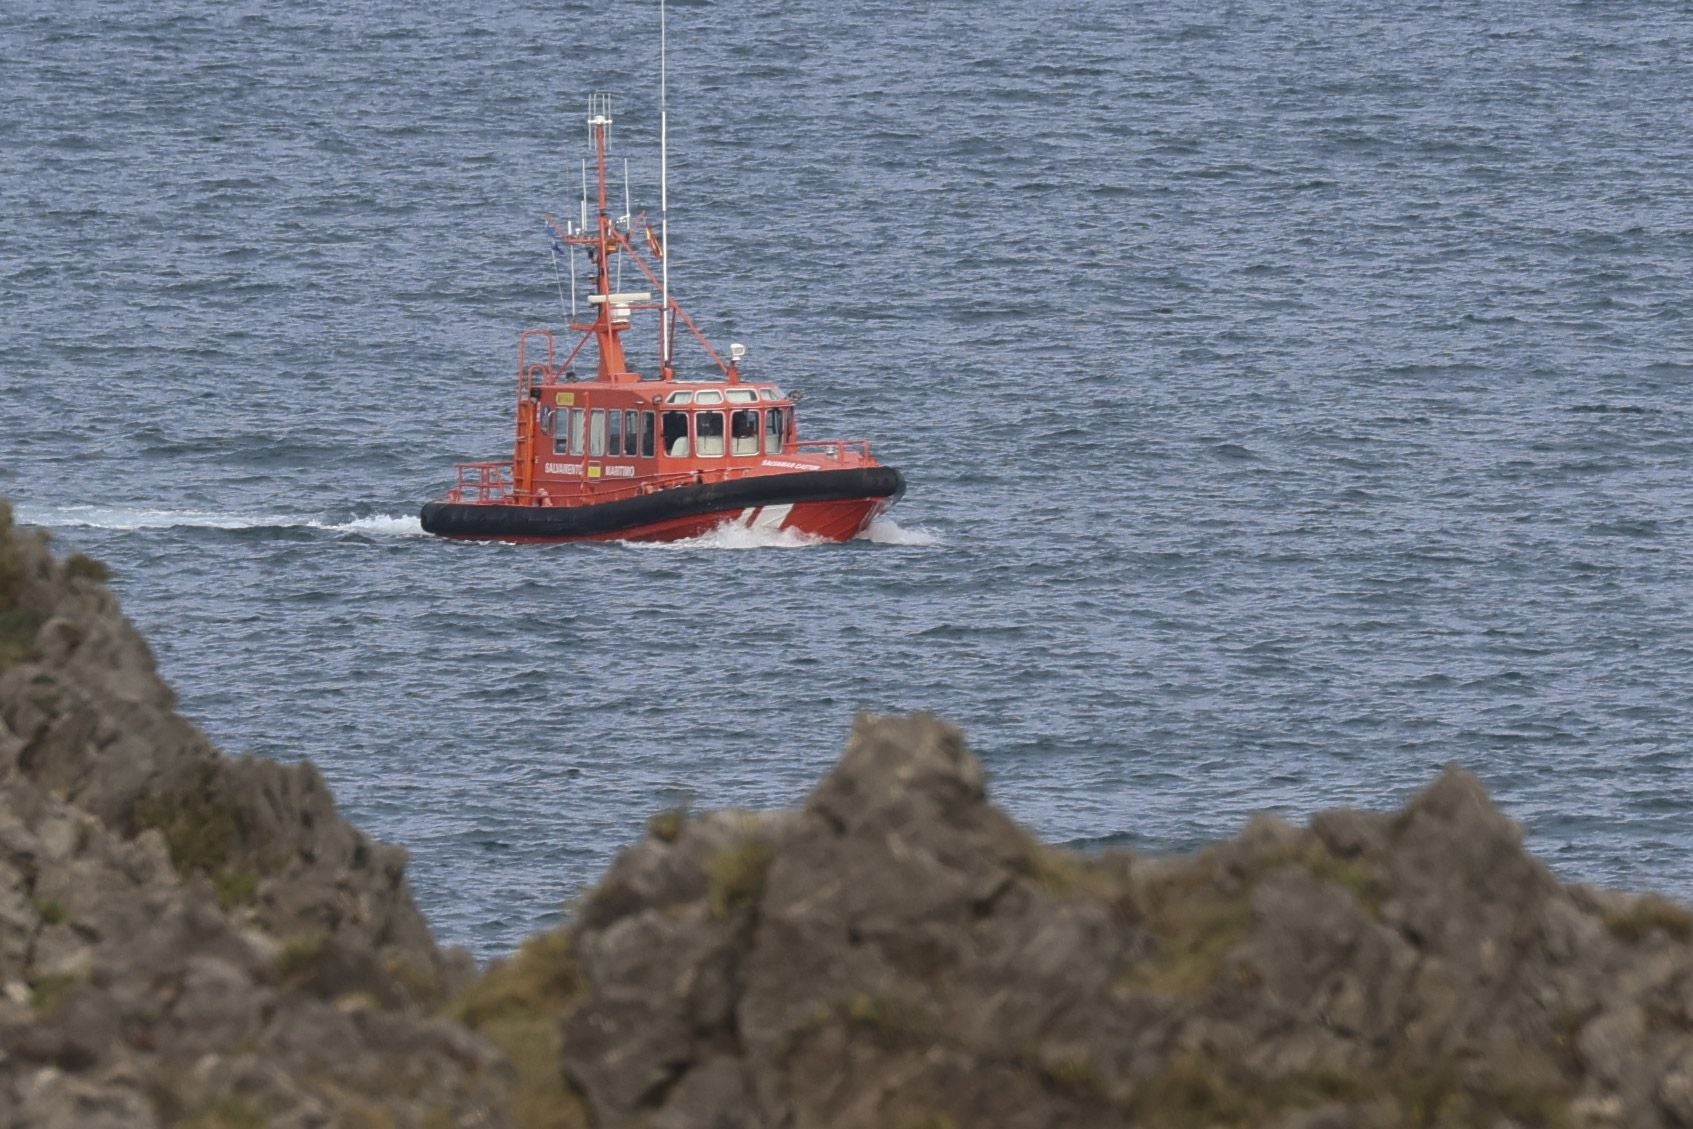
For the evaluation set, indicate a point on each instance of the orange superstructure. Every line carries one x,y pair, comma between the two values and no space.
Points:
625,455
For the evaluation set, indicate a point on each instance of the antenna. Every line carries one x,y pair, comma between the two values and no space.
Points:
584,225
628,218
663,197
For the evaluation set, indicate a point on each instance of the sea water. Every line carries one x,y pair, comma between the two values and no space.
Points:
1293,400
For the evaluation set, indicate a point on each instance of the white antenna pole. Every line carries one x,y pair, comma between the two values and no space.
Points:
628,218
663,197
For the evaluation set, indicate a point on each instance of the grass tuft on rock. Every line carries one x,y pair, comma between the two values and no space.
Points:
198,827
18,627
1353,875
1077,1076
1647,915
667,825
1067,874
48,992
224,1113
18,623
1441,1093
887,1020
519,1004
1199,911
81,566
421,985
11,572
296,965
235,887
736,876
1197,925
1200,1089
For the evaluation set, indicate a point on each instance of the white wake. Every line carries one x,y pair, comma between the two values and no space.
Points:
887,531
733,536
125,518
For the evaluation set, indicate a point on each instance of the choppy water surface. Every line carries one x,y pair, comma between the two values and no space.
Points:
1292,401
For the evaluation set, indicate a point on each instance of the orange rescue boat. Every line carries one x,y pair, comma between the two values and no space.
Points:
620,455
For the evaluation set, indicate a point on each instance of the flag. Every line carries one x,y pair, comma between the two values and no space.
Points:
557,234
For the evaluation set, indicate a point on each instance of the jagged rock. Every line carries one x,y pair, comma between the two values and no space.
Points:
187,939
901,953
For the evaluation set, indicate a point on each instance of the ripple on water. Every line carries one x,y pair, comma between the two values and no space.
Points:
1269,446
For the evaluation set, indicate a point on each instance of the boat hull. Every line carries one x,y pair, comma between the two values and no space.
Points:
835,505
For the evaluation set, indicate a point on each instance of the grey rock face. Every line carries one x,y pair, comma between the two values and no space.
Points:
900,953
185,938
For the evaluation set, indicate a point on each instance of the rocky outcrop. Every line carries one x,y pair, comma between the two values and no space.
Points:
900,953
187,939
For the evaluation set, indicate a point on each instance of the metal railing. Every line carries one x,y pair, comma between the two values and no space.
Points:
836,450
482,483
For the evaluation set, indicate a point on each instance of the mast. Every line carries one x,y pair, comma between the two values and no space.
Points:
606,240
613,315
664,371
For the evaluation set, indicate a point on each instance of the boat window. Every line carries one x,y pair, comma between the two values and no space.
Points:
547,415
742,395
743,432
771,393
614,433
578,428
631,420
676,434
709,396
708,429
596,433
774,431
646,435
681,397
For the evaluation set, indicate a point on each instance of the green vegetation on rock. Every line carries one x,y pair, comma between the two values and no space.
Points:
519,1004
201,832
198,826
667,824
1196,924
737,875
1197,1089
81,566
48,992
1648,914
17,634
174,1008
19,619
235,887
223,1113
296,965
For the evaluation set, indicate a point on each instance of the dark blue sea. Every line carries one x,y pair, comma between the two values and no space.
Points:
1293,398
